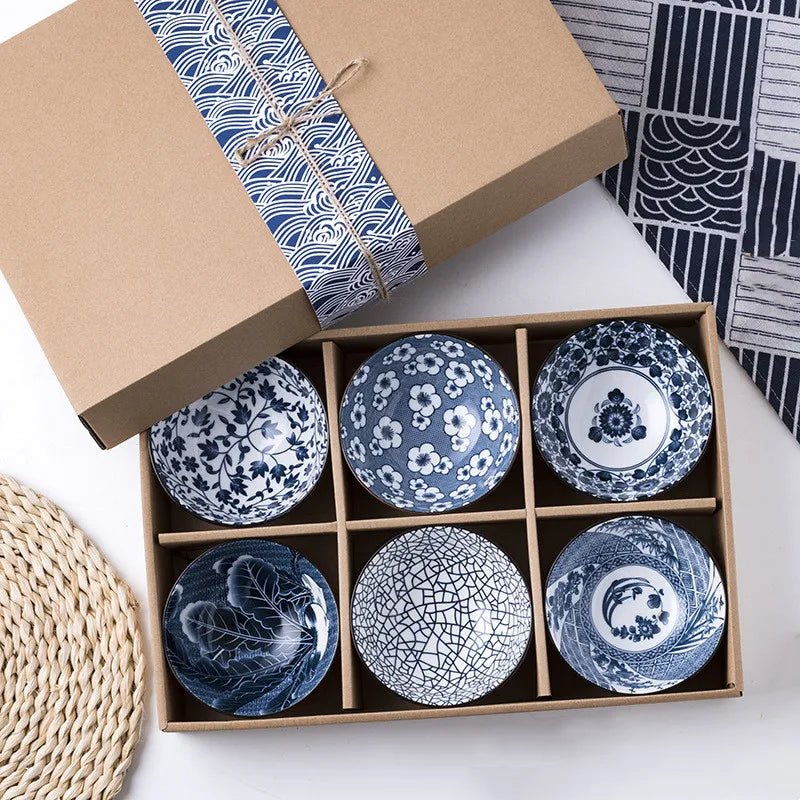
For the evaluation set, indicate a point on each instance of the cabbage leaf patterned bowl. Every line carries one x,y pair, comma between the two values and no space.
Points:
250,628
635,604
430,423
247,452
622,410
441,616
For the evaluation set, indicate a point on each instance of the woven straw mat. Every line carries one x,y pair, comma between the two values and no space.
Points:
72,667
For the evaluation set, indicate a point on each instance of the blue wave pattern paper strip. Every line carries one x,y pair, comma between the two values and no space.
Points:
290,198
710,91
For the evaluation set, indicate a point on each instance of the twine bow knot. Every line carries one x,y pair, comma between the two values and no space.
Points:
257,146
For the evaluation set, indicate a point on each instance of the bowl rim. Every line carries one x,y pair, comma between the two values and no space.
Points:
714,561
410,512
245,541
639,497
260,523
529,643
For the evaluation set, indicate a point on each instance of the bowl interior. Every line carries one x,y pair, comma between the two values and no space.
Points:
247,452
622,410
430,423
441,616
635,604
250,627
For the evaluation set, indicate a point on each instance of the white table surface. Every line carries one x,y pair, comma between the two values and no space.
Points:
578,252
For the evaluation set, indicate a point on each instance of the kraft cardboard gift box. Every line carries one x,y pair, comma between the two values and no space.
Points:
137,253
531,515
150,277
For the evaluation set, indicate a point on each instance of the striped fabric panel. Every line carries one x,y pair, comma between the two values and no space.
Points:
703,261
778,377
766,306
703,62
619,180
778,124
616,37
785,8
774,205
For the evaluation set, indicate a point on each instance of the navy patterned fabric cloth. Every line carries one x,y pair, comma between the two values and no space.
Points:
710,92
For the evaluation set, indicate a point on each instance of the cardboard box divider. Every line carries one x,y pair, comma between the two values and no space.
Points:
527,449
531,515
335,382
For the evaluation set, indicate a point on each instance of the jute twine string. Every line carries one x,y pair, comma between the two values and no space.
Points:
262,143
257,146
71,698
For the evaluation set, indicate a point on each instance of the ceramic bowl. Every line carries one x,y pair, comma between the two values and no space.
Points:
250,627
622,410
246,452
635,605
441,616
429,423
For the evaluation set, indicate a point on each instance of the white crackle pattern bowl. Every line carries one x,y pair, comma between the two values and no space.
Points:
441,616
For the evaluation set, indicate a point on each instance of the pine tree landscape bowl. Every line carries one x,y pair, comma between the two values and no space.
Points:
429,423
441,616
622,410
635,605
247,452
250,628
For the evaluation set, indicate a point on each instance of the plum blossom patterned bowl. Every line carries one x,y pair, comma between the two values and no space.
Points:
622,410
635,604
246,452
250,627
430,423
441,616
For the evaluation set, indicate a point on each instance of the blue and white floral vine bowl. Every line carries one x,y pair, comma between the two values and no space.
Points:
635,605
247,452
430,423
622,410
250,628
441,616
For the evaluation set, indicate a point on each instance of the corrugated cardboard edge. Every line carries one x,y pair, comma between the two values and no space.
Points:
334,384
154,569
539,641
723,490
458,711
667,313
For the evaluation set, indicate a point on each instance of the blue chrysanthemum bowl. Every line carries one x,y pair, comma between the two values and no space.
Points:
635,605
622,410
441,616
430,423
247,452
250,628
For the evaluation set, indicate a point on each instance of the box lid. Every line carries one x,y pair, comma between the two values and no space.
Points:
140,261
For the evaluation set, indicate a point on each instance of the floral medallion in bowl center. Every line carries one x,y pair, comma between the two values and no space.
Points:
441,616
635,604
622,410
250,627
430,423
247,452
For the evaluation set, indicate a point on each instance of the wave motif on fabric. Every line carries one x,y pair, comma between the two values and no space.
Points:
282,185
